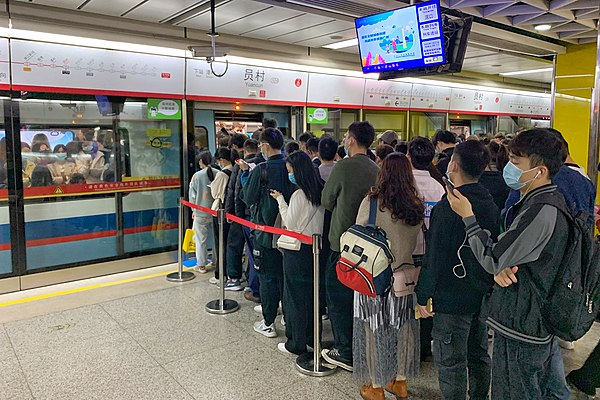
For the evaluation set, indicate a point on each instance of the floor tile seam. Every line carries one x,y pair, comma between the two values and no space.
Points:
12,346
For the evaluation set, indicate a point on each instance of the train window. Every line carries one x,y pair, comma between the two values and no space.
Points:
86,158
338,120
388,120
426,123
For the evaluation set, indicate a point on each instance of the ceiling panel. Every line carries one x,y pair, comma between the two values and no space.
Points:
72,4
331,28
158,10
267,17
226,13
110,7
293,28
326,39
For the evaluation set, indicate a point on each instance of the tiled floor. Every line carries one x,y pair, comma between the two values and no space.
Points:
123,343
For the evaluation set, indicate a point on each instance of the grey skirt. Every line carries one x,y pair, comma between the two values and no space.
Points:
386,338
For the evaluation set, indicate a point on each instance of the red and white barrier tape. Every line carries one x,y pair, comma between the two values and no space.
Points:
263,228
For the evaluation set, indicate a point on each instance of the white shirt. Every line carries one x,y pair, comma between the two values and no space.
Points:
430,192
218,187
301,215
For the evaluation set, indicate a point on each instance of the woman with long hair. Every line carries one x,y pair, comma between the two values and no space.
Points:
386,333
200,195
305,215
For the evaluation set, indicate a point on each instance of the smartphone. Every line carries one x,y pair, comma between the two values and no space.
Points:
449,184
239,161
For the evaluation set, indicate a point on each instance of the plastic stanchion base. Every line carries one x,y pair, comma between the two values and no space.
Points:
305,364
185,276
229,306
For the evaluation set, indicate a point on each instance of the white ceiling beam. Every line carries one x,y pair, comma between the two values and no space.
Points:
589,13
479,3
547,19
492,9
558,4
577,34
524,18
541,4
477,11
582,4
590,23
566,14
571,26
518,10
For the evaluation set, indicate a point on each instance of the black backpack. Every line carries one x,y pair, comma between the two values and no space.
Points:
574,299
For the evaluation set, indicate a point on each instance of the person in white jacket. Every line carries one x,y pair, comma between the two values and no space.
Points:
200,195
218,189
305,215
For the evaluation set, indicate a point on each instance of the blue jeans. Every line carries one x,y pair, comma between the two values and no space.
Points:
523,371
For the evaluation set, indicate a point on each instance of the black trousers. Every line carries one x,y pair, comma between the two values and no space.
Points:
589,374
235,251
269,263
340,306
298,298
216,245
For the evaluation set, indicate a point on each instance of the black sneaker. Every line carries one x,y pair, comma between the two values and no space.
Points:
234,285
333,357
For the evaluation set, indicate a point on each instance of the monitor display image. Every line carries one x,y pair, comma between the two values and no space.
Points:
410,37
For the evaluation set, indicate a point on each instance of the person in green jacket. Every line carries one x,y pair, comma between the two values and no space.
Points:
349,182
257,184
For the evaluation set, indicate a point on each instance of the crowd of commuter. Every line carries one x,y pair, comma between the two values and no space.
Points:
474,215
85,159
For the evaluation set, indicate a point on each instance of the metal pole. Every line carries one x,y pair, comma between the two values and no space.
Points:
180,275
553,91
222,305
592,162
310,363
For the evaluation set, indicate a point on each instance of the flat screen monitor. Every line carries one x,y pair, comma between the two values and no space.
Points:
410,37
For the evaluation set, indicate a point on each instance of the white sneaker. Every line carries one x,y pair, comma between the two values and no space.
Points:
200,269
258,309
281,348
263,329
213,281
566,345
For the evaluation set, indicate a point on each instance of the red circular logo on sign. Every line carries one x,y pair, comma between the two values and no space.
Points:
298,82
497,99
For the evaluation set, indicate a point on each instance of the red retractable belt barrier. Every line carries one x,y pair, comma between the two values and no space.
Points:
264,228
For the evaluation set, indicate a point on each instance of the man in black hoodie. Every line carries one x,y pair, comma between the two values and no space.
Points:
444,142
456,282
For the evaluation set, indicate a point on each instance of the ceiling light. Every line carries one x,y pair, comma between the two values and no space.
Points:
542,27
528,71
342,45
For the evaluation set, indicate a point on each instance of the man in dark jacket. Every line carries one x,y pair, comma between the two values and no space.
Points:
271,175
349,182
453,278
527,363
444,142
235,236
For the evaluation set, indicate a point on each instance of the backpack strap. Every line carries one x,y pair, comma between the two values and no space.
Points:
372,211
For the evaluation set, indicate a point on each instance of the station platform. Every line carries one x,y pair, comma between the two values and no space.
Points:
137,336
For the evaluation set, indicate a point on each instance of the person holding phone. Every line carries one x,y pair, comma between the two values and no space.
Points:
456,282
305,215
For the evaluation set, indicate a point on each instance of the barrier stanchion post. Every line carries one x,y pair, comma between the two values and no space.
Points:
310,363
222,305
180,275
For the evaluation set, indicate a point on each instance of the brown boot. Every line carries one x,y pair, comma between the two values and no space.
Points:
398,388
368,392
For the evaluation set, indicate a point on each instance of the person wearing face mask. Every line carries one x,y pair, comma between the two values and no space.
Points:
527,363
349,182
257,184
62,167
456,283
305,215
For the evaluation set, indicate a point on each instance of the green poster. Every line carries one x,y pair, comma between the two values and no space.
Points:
316,115
164,109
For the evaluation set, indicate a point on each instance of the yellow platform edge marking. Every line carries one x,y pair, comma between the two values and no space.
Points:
83,289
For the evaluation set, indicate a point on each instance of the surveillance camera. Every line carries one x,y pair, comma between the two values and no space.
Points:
207,51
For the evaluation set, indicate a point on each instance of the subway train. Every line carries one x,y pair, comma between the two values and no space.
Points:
148,115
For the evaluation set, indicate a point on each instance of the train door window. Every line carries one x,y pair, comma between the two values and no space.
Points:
5,243
66,149
388,120
336,123
99,175
426,123
151,157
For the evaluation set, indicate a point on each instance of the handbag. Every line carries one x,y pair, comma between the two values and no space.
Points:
405,279
366,257
290,243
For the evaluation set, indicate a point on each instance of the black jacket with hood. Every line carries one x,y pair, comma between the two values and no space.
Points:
438,278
